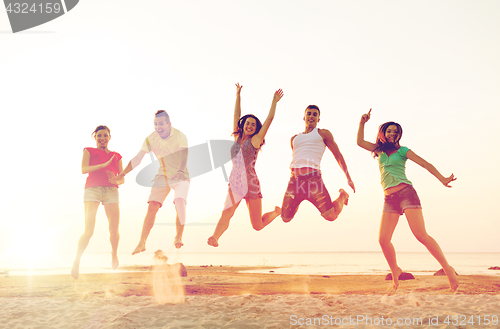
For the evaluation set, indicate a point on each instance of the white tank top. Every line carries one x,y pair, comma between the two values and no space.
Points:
308,150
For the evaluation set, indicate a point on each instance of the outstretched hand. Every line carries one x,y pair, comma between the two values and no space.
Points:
112,178
238,88
107,163
351,184
277,95
179,176
447,180
366,117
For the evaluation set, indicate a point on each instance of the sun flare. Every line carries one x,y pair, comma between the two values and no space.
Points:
31,246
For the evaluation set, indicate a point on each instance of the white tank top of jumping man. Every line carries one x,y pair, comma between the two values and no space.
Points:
308,150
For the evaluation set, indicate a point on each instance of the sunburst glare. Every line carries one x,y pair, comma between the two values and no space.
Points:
31,245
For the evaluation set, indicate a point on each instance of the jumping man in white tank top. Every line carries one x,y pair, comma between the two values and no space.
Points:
306,182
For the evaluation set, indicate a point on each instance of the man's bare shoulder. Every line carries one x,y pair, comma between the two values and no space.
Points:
325,134
322,131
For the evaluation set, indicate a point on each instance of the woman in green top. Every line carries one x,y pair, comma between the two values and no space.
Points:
400,196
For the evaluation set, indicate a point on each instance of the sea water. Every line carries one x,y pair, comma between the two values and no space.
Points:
312,263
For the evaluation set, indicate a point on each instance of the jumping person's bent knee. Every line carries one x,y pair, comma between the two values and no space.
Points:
180,201
257,227
384,242
423,238
88,234
333,216
154,206
330,215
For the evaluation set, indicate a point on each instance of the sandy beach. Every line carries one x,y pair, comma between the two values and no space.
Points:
229,297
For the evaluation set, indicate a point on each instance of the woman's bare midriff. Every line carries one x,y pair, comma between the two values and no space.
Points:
302,171
395,189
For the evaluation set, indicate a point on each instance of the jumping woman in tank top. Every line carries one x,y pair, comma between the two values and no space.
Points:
249,136
400,196
102,166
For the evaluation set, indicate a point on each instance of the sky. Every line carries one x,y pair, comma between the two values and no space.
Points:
431,66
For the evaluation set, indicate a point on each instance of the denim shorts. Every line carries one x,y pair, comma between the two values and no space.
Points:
104,194
406,198
308,187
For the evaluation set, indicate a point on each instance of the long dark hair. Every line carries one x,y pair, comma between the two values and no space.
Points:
241,123
382,144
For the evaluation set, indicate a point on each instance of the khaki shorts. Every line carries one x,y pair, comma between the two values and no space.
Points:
161,189
104,194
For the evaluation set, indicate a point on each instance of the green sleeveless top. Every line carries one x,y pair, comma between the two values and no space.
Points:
392,168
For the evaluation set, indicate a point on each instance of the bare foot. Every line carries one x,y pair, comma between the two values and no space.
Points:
345,195
178,242
75,270
213,242
452,278
277,211
114,261
395,279
140,248
270,216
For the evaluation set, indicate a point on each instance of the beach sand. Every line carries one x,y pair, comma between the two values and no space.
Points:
226,297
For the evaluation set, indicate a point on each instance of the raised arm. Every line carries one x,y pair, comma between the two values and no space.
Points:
333,147
259,137
430,168
237,108
86,168
361,133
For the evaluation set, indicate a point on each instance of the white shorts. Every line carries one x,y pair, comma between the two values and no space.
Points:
103,194
160,189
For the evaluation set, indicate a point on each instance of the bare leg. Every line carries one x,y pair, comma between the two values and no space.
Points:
415,219
338,205
180,220
113,214
90,213
222,225
387,226
258,220
149,221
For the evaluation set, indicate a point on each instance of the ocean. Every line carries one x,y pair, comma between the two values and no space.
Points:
313,263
